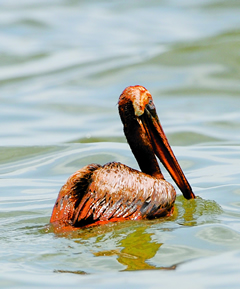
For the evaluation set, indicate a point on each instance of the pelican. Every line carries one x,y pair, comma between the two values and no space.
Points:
99,194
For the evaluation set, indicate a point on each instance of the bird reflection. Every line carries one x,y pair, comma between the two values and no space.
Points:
196,212
137,250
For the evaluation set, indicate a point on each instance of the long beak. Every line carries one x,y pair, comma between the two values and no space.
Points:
164,152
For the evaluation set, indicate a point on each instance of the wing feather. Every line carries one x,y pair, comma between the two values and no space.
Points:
119,192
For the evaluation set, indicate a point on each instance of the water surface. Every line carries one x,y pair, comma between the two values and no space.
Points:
63,65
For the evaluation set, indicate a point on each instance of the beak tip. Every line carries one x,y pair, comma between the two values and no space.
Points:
189,196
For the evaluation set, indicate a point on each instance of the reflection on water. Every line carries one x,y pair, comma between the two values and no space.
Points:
137,249
196,212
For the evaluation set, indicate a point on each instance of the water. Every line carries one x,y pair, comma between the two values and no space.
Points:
63,65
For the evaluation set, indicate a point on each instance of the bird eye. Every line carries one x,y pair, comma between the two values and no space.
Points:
151,107
151,104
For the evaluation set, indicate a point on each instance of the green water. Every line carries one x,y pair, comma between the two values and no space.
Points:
63,65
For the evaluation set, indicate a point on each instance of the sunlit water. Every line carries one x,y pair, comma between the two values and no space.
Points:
63,65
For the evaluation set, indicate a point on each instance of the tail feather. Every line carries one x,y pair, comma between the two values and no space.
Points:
71,194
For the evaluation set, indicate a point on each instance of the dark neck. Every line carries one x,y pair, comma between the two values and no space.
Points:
139,143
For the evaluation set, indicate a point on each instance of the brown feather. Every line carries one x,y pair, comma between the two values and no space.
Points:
112,192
